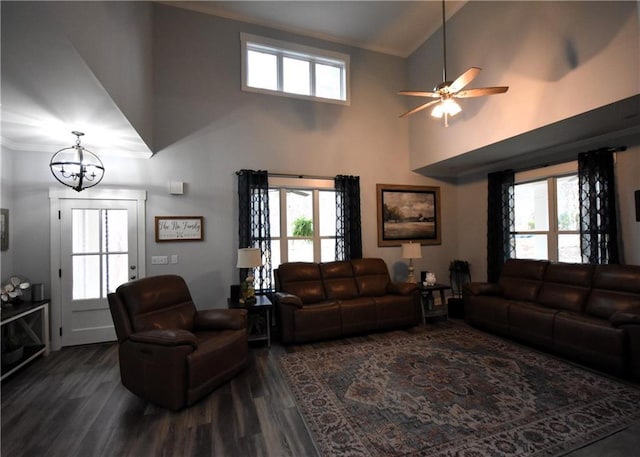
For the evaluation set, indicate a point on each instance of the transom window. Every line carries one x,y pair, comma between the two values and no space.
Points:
547,217
288,69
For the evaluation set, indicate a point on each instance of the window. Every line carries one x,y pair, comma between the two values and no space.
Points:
281,68
303,221
547,218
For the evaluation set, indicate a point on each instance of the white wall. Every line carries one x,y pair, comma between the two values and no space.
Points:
206,129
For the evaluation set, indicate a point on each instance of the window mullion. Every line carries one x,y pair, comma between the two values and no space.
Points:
552,246
316,225
312,78
284,240
280,75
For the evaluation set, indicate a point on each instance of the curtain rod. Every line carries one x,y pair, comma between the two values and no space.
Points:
291,175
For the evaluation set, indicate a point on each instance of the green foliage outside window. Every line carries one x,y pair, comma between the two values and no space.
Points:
303,227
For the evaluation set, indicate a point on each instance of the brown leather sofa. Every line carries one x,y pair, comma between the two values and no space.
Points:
586,313
327,300
171,353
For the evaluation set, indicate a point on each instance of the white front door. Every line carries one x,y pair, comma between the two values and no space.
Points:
98,252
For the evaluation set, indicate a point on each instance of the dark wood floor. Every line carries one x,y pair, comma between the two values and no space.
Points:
72,404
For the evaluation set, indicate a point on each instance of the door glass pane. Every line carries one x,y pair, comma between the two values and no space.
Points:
274,212
567,203
262,70
328,81
531,247
115,270
115,230
85,230
300,251
531,206
295,76
86,277
569,248
327,211
299,213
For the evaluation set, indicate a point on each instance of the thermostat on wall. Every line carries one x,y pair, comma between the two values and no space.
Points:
176,187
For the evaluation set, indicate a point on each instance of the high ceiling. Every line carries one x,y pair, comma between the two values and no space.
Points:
39,88
390,27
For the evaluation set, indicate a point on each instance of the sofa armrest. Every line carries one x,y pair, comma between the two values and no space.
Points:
402,288
220,319
622,318
166,337
482,288
284,298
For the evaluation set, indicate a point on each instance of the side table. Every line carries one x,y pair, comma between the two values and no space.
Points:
24,316
258,319
429,309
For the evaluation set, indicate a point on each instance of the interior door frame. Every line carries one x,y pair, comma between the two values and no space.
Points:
55,197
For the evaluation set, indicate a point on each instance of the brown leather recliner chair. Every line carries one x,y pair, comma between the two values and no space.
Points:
171,353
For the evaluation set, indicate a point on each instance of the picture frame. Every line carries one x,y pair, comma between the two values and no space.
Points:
4,229
179,228
408,213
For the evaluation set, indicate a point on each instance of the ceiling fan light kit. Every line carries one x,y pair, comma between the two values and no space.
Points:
445,92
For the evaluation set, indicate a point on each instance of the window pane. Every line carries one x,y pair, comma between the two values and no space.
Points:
295,76
300,251
85,230
115,270
86,277
275,254
299,213
328,250
115,230
569,248
327,211
262,70
328,81
531,206
568,201
531,247
274,212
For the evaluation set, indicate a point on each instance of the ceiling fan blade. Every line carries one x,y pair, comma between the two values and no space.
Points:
464,79
419,108
416,93
480,91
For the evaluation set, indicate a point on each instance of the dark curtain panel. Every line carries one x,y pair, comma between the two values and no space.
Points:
253,228
348,224
501,243
598,219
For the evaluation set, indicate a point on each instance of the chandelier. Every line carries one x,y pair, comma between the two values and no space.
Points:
77,167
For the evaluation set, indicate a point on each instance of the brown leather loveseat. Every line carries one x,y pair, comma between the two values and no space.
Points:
326,300
586,313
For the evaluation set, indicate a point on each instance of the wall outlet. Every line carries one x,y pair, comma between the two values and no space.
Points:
174,258
159,260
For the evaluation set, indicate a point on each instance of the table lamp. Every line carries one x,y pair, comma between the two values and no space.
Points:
249,258
411,251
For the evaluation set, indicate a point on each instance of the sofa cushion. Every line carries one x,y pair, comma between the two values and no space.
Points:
358,315
532,323
339,283
521,279
487,312
615,288
566,286
372,276
302,279
591,340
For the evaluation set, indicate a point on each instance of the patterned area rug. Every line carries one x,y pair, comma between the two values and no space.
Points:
452,392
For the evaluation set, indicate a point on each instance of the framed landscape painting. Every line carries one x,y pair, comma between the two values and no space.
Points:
408,213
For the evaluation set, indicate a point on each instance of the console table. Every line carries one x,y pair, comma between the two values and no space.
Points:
429,309
259,318
24,317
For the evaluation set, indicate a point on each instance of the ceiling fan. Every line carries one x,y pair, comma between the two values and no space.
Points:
446,92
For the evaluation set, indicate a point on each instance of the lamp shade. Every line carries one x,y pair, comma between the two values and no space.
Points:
411,251
249,258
